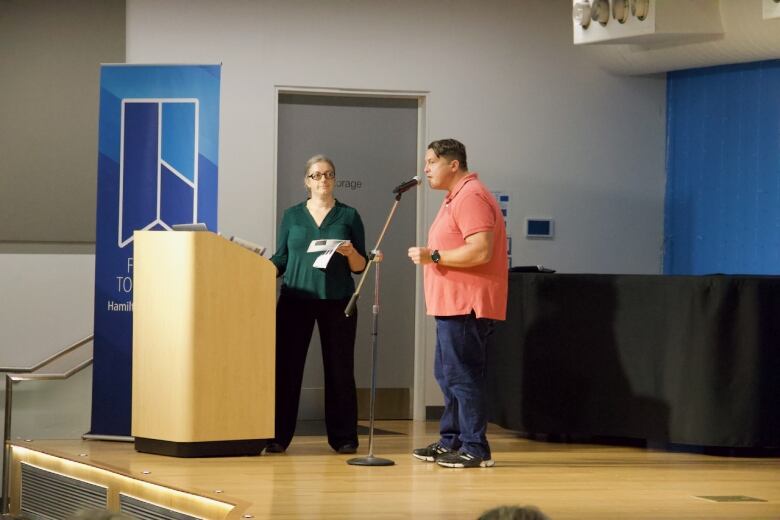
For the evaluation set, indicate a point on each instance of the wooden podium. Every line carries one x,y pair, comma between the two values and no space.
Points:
204,335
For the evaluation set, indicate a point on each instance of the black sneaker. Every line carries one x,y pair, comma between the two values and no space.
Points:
460,459
431,452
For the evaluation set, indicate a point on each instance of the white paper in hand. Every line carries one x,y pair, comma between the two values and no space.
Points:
325,244
328,247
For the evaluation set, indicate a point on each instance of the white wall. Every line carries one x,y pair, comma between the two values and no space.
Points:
47,304
566,139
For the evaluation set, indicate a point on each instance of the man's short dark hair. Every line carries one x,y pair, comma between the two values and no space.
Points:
452,149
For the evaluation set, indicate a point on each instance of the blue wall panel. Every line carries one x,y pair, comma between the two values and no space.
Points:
723,170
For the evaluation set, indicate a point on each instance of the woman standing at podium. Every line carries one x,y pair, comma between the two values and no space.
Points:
310,294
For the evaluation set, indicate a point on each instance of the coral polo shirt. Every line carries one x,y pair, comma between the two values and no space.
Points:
450,291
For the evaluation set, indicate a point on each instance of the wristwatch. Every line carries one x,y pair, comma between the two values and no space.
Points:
435,256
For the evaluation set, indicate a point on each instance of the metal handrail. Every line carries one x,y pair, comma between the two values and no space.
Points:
45,377
48,360
25,374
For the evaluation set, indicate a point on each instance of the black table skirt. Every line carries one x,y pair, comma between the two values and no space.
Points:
672,359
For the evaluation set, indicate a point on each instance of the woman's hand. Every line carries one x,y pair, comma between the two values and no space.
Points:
347,249
356,261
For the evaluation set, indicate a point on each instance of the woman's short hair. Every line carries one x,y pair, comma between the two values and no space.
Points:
319,158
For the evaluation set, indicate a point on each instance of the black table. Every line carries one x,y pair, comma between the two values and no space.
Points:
671,359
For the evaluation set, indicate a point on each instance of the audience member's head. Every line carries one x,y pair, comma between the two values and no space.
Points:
514,513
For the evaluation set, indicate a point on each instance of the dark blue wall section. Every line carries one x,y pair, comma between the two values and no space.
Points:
723,170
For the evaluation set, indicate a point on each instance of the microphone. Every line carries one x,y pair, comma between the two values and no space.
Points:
408,185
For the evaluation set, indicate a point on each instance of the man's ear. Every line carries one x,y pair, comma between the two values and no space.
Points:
455,165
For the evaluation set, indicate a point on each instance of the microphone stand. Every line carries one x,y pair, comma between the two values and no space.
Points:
370,459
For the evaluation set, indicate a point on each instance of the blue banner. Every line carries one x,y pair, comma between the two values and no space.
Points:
157,166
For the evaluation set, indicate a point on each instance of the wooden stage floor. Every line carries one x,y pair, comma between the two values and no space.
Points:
566,481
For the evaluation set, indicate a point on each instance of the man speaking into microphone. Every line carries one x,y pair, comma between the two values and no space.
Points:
465,273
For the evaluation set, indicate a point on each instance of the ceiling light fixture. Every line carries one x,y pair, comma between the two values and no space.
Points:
581,13
620,10
640,8
599,11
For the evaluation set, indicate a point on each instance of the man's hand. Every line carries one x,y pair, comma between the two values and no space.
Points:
477,250
420,255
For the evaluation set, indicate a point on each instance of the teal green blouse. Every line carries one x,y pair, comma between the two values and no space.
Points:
296,232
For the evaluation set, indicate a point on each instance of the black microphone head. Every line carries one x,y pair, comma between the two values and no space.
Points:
405,186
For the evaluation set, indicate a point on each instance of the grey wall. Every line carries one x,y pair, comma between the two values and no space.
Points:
50,52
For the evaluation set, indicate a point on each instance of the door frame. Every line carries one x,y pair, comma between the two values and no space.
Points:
420,373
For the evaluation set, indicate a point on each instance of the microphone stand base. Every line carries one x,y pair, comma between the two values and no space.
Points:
370,460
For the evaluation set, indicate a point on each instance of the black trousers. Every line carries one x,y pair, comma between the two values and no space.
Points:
295,319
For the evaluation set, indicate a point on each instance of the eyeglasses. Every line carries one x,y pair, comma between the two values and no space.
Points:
319,175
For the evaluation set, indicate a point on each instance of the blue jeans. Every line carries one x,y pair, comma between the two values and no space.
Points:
459,368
